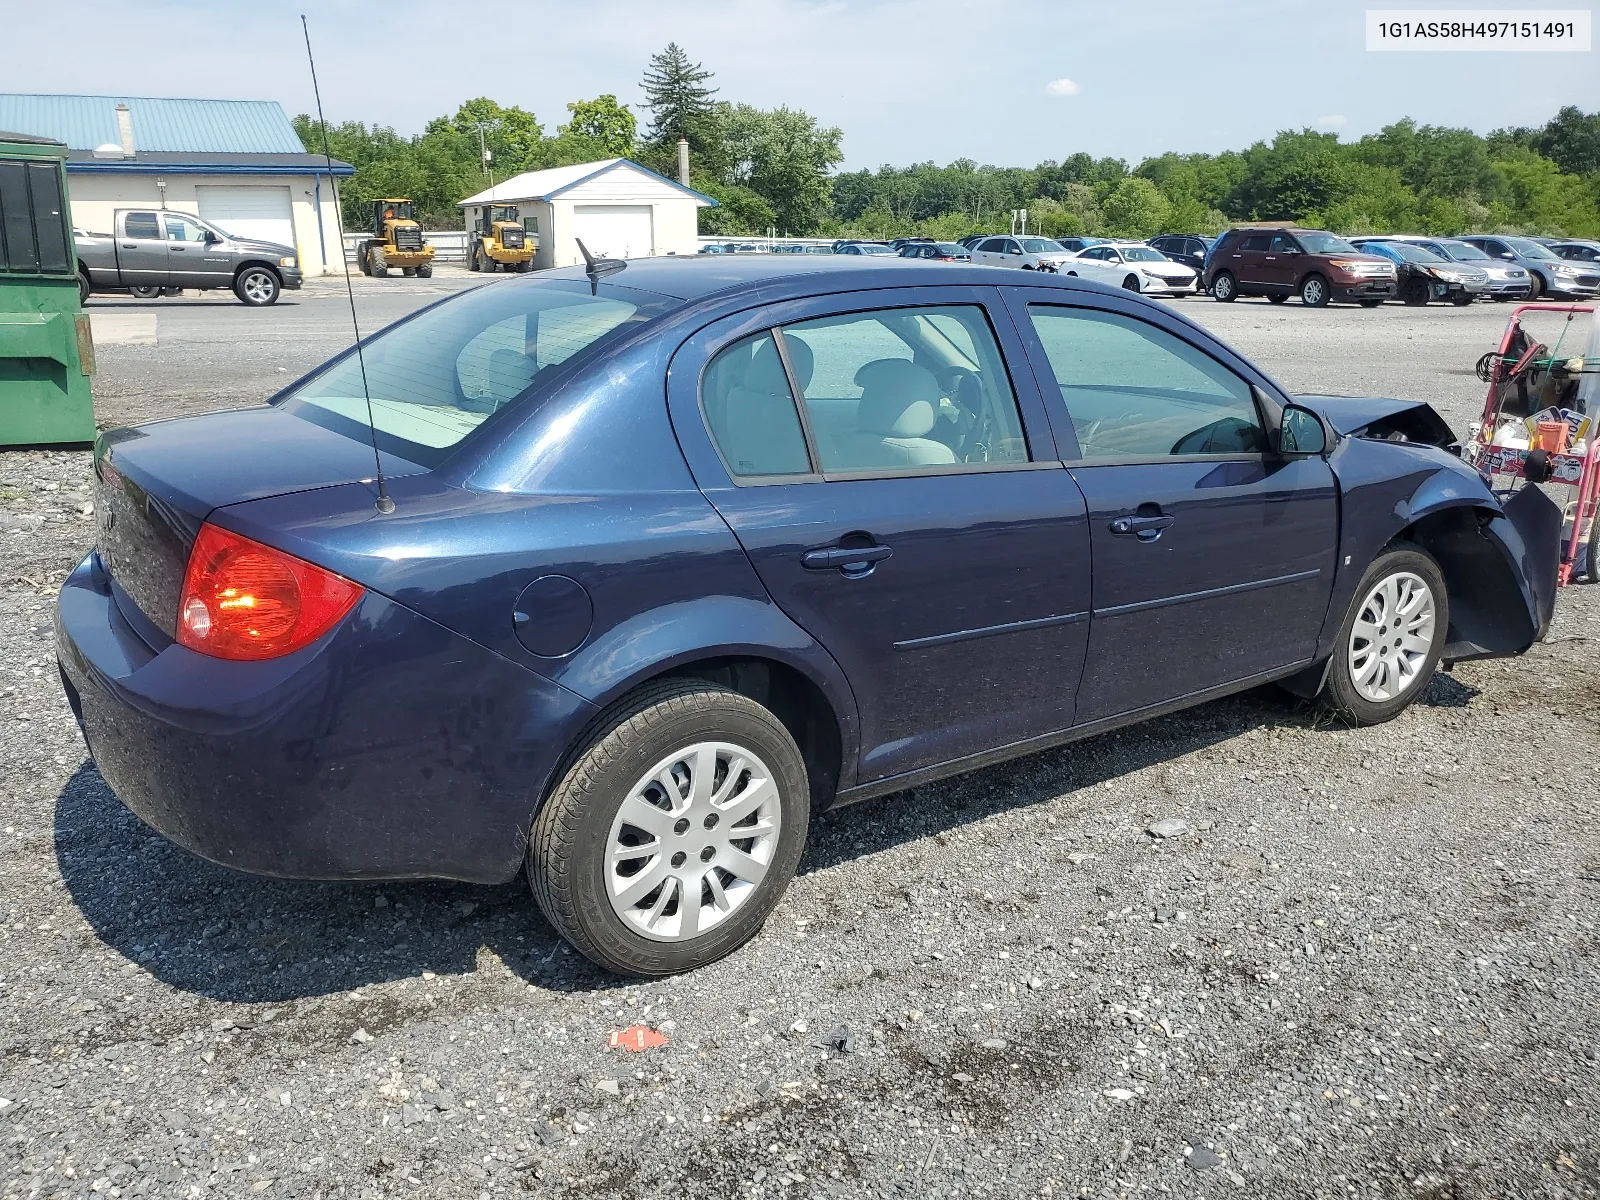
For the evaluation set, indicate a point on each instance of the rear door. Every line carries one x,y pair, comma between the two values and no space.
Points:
1280,262
1246,260
141,249
1213,560
901,513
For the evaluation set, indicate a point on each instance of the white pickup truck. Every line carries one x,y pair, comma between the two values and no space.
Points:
154,251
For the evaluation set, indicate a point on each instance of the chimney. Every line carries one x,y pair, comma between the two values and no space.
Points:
683,161
125,129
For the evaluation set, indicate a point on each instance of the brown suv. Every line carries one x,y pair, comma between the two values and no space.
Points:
1281,261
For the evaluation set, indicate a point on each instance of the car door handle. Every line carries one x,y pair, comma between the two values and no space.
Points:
1146,529
852,561
129,246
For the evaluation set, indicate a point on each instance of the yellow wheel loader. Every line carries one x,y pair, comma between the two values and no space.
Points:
496,239
396,241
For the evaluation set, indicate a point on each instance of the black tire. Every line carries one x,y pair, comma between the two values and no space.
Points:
425,271
1341,692
525,266
145,293
1277,298
1314,292
1462,301
1416,293
1131,284
1370,303
1224,288
473,262
568,845
378,261
366,261
257,287
1535,286
1592,573
83,289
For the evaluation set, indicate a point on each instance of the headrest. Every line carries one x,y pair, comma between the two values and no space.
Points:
765,372
898,399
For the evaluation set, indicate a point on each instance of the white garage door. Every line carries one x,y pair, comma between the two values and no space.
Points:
614,230
249,212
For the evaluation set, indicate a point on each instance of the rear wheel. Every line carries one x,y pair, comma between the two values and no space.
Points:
1389,644
145,293
1314,292
83,289
1370,303
256,286
525,266
675,831
1223,288
425,271
366,260
474,262
1276,298
408,270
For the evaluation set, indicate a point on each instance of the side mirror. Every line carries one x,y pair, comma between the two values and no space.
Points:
1301,432
211,237
1507,255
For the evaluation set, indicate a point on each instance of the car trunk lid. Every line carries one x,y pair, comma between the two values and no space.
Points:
155,485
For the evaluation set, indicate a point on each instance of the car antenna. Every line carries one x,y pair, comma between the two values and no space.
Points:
384,504
597,267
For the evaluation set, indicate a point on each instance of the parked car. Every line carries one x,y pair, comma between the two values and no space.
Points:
865,248
1076,244
1282,261
1423,275
1029,253
973,239
1548,274
1134,266
1187,248
1578,250
151,252
613,611
1506,281
936,251
898,244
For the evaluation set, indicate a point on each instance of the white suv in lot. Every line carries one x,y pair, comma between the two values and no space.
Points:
1133,265
1029,253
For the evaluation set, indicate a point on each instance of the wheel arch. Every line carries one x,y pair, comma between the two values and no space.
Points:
1489,613
257,262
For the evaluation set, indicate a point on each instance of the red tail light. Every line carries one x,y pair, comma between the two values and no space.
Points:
243,600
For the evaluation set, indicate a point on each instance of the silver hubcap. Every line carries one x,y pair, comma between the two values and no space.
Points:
692,841
1223,286
1393,636
257,286
1313,292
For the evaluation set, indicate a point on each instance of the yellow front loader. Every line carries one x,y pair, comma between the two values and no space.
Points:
396,241
496,239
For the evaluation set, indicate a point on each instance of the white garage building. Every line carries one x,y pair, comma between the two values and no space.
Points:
618,208
236,163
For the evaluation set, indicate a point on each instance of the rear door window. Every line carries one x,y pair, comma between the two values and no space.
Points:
1135,391
1256,241
142,225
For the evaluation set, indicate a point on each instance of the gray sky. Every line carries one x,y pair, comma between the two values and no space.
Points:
907,80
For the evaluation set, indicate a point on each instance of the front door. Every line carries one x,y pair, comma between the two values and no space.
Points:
142,250
900,514
1213,560
191,260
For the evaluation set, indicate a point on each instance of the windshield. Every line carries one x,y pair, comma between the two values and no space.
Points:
1042,246
503,214
874,249
1527,249
1463,251
437,377
399,210
1323,243
949,248
1142,254
1410,253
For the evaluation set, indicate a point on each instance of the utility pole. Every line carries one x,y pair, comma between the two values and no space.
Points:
483,152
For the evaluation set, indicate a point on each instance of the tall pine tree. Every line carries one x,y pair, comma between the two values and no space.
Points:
680,103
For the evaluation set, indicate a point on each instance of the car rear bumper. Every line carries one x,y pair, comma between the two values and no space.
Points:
390,749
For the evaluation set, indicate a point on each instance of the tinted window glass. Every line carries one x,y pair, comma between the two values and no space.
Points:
906,389
1256,241
993,246
1282,243
143,225
435,378
750,411
1134,390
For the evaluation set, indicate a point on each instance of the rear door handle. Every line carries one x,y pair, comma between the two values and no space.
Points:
1146,529
852,561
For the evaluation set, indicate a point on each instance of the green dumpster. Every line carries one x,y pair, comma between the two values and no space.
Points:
46,350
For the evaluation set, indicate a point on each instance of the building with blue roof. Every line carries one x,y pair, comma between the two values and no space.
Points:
237,164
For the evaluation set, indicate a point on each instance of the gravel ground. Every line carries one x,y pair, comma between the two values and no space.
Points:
1362,963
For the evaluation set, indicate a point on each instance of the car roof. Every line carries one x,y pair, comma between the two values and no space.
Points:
693,276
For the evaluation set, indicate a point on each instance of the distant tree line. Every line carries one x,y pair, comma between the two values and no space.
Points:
772,169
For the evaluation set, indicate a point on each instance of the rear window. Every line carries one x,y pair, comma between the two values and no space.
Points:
437,377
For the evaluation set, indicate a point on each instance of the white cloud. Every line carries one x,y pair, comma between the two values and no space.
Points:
1061,87
1335,121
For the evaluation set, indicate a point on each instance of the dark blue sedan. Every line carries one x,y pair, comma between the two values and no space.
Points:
666,558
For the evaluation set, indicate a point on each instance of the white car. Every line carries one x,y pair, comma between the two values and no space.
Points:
1029,253
1132,265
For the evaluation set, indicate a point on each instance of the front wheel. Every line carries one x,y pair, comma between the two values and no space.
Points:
256,286
1223,288
1131,284
1463,300
1370,303
1535,286
1314,292
675,831
83,289
425,271
1391,639
1416,293
1277,298
145,293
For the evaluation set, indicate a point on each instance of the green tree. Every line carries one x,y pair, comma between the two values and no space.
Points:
1571,140
680,103
1136,208
602,122
513,136
784,156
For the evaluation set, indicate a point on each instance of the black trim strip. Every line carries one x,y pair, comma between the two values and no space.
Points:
1232,589
965,635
